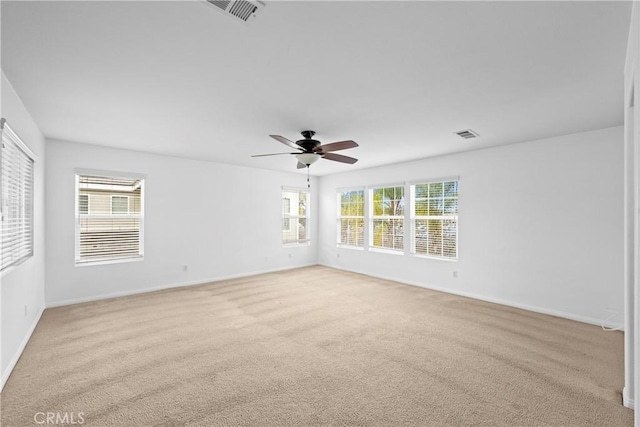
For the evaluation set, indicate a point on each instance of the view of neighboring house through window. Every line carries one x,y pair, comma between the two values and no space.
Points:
435,219
295,216
351,218
110,218
386,226
119,204
83,203
16,191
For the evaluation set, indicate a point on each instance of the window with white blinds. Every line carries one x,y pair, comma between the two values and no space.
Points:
386,220
295,216
109,218
435,219
351,218
16,186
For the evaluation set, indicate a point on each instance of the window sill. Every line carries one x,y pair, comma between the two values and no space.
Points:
435,258
13,266
108,261
386,251
292,245
354,248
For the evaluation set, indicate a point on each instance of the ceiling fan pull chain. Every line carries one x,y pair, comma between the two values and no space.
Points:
308,185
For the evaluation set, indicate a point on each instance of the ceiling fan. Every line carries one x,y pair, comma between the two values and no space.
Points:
311,151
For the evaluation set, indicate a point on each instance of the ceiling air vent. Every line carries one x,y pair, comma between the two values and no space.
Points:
242,10
467,134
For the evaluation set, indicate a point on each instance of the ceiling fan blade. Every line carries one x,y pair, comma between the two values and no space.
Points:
335,146
272,154
285,141
339,158
301,165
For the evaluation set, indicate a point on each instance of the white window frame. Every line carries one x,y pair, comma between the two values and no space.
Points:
371,217
141,216
340,217
294,218
24,250
415,218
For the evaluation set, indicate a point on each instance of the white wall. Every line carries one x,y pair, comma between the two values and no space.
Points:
632,220
219,220
540,225
22,287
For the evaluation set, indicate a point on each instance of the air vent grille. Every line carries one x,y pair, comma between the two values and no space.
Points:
242,10
222,4
467,134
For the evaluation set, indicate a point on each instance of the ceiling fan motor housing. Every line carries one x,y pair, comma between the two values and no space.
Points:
307,143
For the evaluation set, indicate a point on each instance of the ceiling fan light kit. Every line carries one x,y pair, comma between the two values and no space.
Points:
308,158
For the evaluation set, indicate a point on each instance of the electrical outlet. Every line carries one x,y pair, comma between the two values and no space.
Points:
25,310
337,255
290,255
184,268
455,274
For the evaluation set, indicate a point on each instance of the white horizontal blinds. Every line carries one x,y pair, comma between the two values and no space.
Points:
295,216
110,218
351,218
286,212
387,218
16,183
435,219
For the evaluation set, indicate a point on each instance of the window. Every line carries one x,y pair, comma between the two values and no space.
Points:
386,226
83,203
16,190
351,218
286,209
295,216
120,204
435,219
111,227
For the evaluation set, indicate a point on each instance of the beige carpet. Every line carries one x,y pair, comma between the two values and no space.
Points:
315,346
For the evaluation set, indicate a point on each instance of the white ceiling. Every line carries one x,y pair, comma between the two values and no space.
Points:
182,79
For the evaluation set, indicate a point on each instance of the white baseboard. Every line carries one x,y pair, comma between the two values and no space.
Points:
565,315
625,400
19,350
163,287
